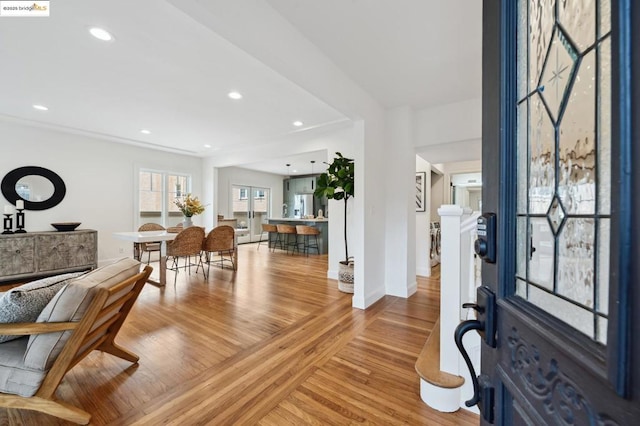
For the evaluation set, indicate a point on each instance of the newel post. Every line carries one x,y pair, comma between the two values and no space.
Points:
451,217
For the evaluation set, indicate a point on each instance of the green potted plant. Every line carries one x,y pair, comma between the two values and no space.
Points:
337,183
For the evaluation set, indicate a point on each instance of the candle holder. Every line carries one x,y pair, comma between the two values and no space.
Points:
8,223
20,222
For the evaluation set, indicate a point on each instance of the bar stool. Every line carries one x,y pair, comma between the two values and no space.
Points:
306,232
285,232
272,231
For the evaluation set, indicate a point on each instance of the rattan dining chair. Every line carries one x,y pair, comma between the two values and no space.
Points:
221,240
149,247
187,243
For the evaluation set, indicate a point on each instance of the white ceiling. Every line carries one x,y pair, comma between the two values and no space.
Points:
420,53
167,73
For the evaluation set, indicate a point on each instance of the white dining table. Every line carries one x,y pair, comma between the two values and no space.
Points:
138,237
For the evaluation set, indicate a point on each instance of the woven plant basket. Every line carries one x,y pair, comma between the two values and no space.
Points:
345,276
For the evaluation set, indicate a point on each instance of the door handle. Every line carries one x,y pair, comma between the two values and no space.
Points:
461,330
485,325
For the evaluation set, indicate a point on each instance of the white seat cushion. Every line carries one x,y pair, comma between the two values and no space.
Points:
70,304
14,377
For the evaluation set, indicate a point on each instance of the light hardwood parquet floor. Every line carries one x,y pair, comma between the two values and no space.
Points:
273,344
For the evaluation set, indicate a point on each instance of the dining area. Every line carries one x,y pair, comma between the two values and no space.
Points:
184,248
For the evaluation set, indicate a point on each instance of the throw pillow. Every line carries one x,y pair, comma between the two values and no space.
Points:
24,303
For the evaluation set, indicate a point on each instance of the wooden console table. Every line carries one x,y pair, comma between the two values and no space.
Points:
37,254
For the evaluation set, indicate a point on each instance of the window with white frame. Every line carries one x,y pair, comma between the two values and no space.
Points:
158,191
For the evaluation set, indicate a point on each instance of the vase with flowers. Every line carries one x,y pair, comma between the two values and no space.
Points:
189,206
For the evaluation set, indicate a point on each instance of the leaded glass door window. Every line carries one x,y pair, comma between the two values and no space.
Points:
564,160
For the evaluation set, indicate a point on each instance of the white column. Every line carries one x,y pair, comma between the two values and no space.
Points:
400,214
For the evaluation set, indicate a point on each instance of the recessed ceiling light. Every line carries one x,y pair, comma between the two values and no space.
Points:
145,131
294,171
298,123
235,95
207,146
100,34
41,107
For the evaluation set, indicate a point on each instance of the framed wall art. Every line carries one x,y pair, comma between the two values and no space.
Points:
420,191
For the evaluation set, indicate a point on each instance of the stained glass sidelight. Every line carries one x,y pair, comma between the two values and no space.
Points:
564,160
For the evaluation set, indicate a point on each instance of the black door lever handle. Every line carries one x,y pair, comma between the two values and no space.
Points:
461,330
485,325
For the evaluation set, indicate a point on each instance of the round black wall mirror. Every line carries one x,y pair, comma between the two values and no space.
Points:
24,183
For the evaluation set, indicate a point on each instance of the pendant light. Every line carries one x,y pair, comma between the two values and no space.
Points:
312,177
288,175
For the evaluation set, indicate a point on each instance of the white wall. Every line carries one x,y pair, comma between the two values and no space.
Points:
99,175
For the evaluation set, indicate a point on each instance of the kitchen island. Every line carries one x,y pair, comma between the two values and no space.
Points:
321,224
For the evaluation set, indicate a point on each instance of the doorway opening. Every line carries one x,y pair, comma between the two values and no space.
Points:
251,209
466,190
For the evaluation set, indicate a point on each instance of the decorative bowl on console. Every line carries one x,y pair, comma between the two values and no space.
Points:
66,226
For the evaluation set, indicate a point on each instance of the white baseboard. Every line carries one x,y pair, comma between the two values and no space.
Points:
369,300
332,274
405,293
423,272
413,287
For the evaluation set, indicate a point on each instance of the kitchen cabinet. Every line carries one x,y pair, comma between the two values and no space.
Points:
301,185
